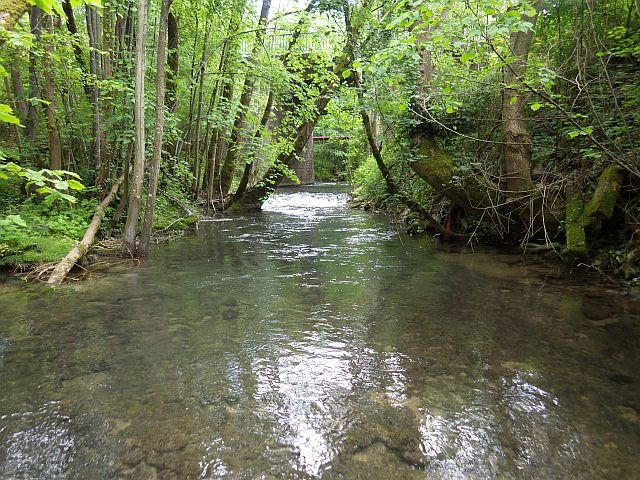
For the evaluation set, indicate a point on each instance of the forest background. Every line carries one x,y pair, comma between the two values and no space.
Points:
480,120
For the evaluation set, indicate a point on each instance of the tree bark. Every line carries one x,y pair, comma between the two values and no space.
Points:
31,124
95,68
18,92
173,63
67,263
133,210
196,149
517,142
73,30
55,145
145,237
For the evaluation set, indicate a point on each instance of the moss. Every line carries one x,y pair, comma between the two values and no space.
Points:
435,167
574,229
11,11
605,196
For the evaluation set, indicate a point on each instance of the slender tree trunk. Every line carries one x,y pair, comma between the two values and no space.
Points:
145,237
196,144
18,92
95,66
35,21
229,167
173,62
250,166
192,90
135,196
55,145
14,105
73,30
517,142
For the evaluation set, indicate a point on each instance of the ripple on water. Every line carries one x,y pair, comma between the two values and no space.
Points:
40,446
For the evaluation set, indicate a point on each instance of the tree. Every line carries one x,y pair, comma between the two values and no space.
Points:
145,237
135,194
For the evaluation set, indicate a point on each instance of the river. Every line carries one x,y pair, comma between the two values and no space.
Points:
314,341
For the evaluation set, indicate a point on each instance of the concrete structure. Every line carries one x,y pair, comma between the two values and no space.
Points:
304,166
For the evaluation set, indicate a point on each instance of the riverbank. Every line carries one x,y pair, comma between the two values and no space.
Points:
36,235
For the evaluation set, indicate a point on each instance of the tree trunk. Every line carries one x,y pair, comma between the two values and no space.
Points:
73,30
135,196
517,143
173,62
229,167
55,145
145,237
95,68
35,21
196,147
18,92
14,105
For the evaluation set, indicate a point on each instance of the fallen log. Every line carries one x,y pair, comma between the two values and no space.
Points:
67,263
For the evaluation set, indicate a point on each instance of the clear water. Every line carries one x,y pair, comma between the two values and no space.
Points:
313,341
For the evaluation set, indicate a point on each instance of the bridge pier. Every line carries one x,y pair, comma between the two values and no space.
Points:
304,166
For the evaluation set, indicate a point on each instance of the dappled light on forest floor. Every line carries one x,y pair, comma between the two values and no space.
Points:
313,341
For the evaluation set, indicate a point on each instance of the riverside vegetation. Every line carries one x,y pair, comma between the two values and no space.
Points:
483,121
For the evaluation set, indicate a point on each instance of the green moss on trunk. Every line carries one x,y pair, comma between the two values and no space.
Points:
11,11
575,221
605,196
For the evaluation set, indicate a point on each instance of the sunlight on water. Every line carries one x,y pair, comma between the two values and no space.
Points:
305,205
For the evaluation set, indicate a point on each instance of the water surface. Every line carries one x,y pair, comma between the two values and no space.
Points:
313,341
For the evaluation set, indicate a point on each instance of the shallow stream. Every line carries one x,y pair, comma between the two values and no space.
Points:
314,341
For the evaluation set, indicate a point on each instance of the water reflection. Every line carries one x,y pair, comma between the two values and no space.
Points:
310,342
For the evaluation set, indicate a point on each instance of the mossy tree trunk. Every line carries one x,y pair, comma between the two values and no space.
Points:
11,11
582,216
517,142
53,134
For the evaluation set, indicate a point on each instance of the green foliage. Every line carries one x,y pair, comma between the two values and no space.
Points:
53,185
35,233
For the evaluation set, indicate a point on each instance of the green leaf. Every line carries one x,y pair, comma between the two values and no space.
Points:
536,106
573,133
45,5
6,115
467,56
17,219
60,185
75,185
346,73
